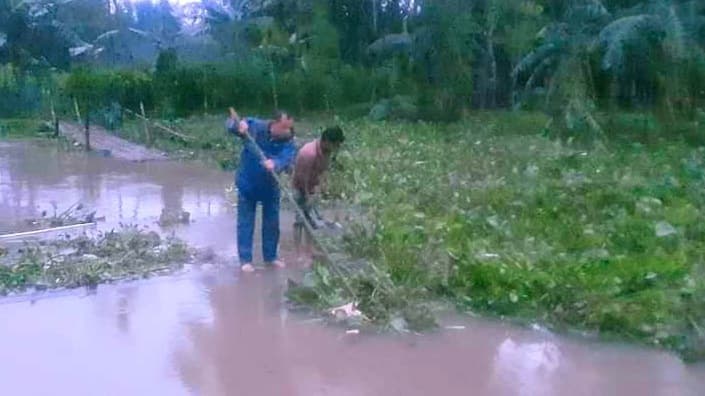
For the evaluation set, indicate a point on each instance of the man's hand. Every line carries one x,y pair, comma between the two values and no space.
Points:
269,165
242,126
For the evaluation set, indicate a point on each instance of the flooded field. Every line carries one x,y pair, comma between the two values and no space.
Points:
209,331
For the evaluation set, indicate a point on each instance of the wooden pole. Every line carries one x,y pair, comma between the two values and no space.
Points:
54,118
162,127
88,133
275,96
78,113
145,124
30,233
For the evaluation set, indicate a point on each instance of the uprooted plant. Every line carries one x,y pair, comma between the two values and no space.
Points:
77,213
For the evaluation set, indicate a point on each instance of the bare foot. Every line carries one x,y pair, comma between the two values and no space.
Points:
247,267
277,264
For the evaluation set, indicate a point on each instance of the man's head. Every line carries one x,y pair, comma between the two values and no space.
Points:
282,125
331,140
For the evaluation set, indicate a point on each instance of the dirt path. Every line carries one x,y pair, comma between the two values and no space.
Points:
102,140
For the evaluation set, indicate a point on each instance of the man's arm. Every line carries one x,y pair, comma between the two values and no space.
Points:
242,126
285,157
236,126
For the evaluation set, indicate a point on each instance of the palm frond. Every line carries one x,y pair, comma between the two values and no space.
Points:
626,31
536,57
537,73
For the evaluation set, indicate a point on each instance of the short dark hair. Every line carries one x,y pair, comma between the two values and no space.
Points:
333,135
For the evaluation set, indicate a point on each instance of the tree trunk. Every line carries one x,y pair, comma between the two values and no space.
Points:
374,17
492,80
275,96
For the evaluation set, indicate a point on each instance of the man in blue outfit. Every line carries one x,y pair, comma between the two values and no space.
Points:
256,184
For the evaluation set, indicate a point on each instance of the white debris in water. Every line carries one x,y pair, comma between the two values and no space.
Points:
455,327
533,365
348,310
647,205
664,229
531,171
539,328
399,324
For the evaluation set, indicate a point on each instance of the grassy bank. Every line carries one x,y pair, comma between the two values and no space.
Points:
22,128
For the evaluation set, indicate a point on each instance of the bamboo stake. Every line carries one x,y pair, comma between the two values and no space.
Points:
88,132
35,232
147,135
78,113
161,126
54,118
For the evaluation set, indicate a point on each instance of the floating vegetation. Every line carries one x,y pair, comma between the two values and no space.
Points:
85,260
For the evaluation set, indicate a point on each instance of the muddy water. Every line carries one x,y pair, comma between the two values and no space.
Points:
209,332
34,179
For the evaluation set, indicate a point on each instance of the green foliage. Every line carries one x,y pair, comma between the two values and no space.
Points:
96,90
501,220
570,59
20,128
648,55
446,81
20,92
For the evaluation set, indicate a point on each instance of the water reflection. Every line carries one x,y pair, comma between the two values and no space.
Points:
526,369
33,177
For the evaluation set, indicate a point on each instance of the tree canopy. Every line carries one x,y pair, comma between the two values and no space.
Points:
565,57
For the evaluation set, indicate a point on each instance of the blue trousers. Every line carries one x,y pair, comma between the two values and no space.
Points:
246,212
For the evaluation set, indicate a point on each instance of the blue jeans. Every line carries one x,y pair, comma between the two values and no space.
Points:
246,212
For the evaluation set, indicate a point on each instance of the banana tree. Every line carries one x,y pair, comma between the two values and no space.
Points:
653,41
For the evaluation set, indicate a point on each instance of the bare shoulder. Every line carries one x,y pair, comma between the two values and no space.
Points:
308,149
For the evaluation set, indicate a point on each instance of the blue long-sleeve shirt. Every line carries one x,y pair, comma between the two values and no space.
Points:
252,177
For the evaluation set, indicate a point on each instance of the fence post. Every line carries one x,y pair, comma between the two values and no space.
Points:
88,132
145,122
78,113
54,118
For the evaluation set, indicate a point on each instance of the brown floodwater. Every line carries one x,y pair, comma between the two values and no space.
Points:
209,331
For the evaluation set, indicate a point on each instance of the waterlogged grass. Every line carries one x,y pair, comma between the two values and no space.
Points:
129,252
22,128
496,218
